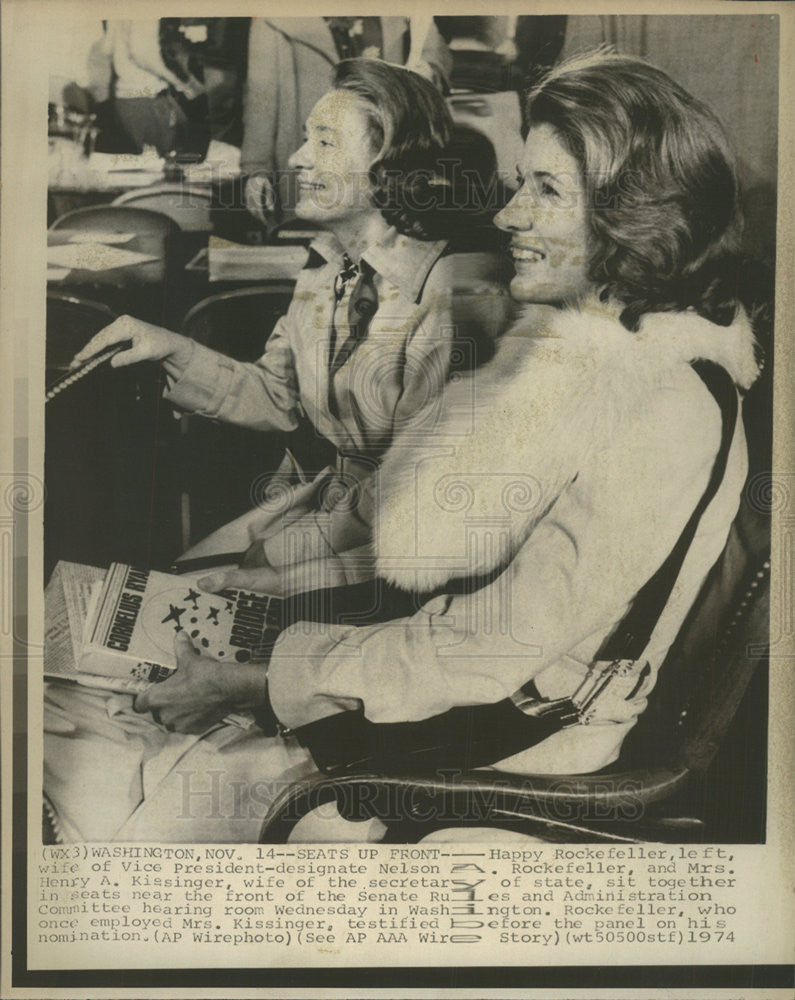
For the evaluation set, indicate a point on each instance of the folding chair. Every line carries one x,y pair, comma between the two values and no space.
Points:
187,204
236,323
116,219
136,287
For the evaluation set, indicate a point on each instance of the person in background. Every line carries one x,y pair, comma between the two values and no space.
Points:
367,338
177,71
501,53
290,63
158,100
79,74
214,50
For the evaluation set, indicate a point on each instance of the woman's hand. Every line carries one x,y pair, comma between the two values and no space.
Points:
295,578
202,691
148,343
261,580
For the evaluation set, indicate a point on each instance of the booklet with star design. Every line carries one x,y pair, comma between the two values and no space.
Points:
135,614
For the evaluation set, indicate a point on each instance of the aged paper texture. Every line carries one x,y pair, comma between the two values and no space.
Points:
577,900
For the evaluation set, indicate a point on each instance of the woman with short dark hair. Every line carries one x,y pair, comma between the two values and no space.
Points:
367,338
290,64
565,470
411,137
659,180
364,346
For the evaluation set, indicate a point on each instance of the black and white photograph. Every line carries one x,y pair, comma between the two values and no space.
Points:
399,477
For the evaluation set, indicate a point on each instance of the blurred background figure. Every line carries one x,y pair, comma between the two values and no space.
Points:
493,60
79,83
78,69
501,53
142,90
172,84
158,94
215,50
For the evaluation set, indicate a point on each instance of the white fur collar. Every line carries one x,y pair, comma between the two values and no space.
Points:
510,437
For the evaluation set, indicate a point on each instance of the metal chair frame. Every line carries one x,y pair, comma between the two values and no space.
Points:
147,219
185,198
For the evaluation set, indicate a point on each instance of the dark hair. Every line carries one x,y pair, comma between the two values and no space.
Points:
411,129
660,184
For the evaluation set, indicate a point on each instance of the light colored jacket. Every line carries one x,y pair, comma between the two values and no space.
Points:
401,361
574,460
134,48
400,365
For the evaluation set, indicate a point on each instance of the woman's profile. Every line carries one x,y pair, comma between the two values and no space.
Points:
365,342
562,474
558,477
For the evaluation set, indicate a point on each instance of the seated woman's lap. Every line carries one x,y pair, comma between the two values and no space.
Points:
112,774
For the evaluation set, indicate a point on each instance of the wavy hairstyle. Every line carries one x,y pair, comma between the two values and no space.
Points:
660,184
411,130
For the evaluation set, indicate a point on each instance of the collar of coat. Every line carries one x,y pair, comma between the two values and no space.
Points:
405,262
502,443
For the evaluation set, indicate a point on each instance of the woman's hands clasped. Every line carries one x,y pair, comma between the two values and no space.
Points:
202,691
147,343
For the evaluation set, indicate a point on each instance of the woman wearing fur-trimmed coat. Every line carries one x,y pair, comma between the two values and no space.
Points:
563,472
573,460
620,434
569,466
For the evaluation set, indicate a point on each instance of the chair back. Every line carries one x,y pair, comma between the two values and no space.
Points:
186,204
722,643
239,322
725,637
116,219
71,322
222,463
147,232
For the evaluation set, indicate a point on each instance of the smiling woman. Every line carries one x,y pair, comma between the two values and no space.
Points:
658,184
370,144
333,165
365,343
547,223
574,446
364,347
